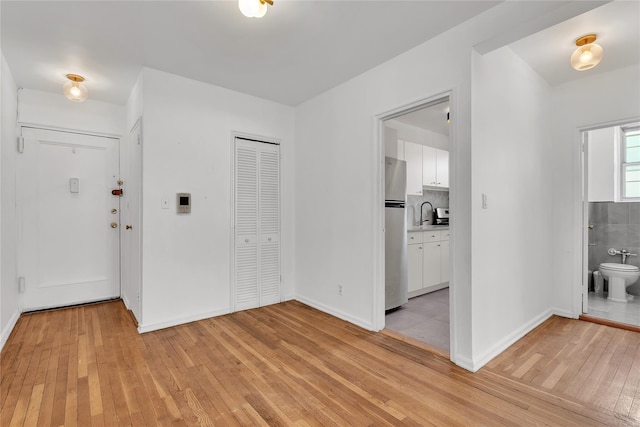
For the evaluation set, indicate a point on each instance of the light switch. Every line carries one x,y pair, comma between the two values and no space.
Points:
164,203
74,185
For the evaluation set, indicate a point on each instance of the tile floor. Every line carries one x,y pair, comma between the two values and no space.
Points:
628,313
425,318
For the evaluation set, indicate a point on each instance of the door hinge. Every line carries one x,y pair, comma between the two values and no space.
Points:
21,144
21,285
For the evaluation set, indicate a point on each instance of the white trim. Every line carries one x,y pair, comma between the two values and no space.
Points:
181,320
337,313
8,329
378,254
508,341
68,130
563,313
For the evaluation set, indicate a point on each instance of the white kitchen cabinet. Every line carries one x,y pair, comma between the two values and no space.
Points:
413,157
414,267
442,168
431,257
435,167
428,266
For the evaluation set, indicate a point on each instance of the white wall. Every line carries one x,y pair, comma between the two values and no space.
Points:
9,297
602,165
55,111
420,136
338,168
512,155
594,100
187,148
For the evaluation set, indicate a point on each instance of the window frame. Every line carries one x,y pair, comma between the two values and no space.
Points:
623,164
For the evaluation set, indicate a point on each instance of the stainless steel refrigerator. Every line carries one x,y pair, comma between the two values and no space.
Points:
395,235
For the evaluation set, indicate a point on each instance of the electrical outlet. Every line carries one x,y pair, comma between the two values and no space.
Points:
339,289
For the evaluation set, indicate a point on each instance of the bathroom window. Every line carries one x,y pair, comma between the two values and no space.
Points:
630,165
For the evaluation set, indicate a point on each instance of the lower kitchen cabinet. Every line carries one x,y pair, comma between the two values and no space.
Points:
414,266
428,261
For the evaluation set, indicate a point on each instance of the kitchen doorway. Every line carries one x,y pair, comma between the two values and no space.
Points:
420,138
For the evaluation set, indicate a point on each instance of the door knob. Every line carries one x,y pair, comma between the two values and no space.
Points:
129,227
114,225
114,211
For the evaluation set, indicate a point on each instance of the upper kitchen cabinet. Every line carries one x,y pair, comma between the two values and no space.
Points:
413,157
435,167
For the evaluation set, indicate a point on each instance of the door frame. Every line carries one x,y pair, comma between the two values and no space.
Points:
19,223
378,211
581,213
232,231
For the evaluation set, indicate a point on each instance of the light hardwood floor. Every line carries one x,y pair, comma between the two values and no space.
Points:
288,364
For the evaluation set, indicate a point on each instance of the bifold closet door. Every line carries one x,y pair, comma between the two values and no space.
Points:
257,224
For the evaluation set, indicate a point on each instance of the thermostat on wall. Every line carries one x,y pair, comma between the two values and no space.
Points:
183,202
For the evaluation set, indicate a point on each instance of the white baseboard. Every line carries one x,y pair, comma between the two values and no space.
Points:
8,329
181,320
337,313
464,362
563,313
509,340
290,297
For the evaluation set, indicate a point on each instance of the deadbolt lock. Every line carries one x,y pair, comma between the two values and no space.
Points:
114,225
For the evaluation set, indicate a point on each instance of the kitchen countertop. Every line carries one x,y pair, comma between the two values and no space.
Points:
412,228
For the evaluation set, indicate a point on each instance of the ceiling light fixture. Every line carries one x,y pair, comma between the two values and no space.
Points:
588,54
448,117
74,90
254,8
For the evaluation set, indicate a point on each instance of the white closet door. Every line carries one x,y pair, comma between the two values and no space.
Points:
269,261
257,224
246,225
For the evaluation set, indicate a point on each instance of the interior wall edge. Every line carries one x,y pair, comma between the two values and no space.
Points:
6,332
181,320
509,340
366,324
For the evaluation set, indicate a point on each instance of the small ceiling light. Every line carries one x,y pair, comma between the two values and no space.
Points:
588,54
74,90
254,8
448,117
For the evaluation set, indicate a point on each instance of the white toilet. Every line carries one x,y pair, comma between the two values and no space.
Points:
620,277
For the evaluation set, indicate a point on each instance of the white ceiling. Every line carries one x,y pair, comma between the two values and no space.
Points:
617,25
299,50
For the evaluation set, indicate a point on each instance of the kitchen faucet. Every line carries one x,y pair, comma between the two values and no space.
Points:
432,210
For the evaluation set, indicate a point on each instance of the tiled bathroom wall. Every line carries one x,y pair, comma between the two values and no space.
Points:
439,199
615,225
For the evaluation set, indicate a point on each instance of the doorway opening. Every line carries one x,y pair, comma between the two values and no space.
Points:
417,140
611,224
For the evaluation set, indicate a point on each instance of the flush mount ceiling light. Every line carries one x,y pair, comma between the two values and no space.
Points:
74,90
254,8
588,54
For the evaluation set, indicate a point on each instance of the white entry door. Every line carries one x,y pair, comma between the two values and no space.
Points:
69,220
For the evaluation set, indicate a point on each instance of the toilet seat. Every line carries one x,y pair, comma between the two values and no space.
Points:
619,267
